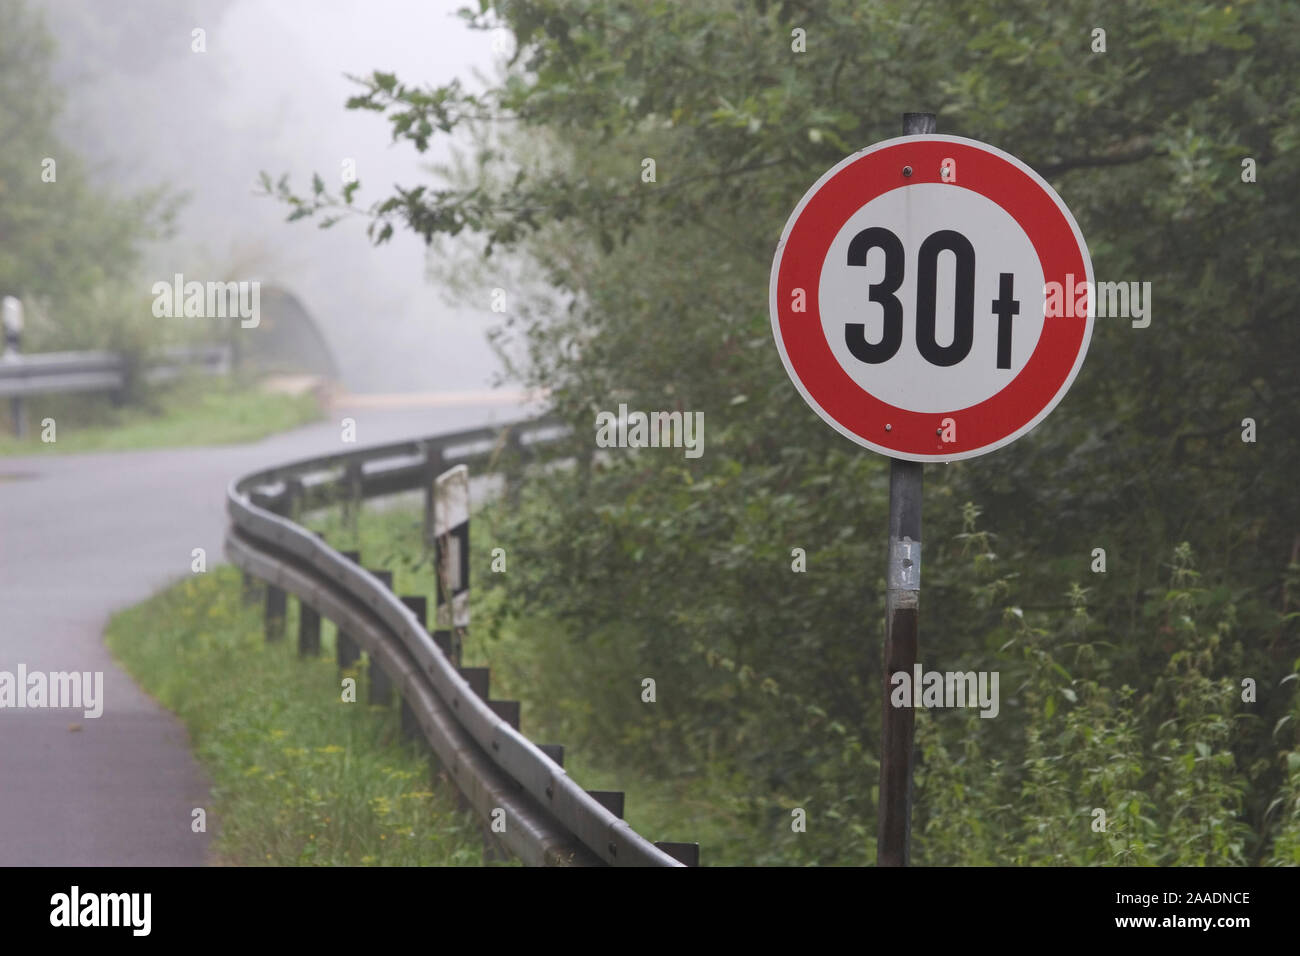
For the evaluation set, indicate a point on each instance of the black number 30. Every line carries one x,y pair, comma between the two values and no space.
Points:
884,292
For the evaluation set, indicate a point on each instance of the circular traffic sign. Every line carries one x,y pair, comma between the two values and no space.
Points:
931,298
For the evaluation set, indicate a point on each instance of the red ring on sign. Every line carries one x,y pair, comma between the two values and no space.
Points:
837,396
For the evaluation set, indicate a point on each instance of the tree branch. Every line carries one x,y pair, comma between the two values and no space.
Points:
1106,159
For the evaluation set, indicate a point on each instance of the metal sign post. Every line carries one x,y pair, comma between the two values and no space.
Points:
902,595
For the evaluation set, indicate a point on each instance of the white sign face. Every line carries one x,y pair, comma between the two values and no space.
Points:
907,298
909,380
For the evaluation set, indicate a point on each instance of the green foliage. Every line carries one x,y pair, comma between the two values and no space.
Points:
1157,758
1123,693
69,248
298,776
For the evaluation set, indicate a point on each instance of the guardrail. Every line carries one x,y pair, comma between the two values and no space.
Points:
548,818
45,372
42,373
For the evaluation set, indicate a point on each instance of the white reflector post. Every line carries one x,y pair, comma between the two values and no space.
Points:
451,546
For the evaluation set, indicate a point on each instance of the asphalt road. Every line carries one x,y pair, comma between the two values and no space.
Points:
83,536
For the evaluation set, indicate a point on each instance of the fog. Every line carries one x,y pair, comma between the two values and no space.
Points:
268,94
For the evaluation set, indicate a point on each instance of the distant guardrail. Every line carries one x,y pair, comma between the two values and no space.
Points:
43,373
548,818
47,372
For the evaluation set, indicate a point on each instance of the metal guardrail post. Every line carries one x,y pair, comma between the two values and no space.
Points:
277,600
308,622
419,606
507,710
381,688
291,504
308,630
251,589
352,503
687,854
611,800
442,639
346,651
479,679
277,606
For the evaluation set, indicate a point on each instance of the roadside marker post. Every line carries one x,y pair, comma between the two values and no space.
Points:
451,557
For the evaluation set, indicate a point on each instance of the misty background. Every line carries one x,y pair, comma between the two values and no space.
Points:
144,110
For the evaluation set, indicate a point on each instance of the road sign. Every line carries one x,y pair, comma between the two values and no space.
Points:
908,298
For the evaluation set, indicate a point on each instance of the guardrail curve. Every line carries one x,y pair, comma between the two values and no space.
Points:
549,818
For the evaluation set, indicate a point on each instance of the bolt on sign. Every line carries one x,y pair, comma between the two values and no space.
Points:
907,298
451,547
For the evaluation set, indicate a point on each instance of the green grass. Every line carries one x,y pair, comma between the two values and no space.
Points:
536,664
198,411
299,776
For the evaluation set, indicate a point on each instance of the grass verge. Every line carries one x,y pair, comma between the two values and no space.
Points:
196,411
299,776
